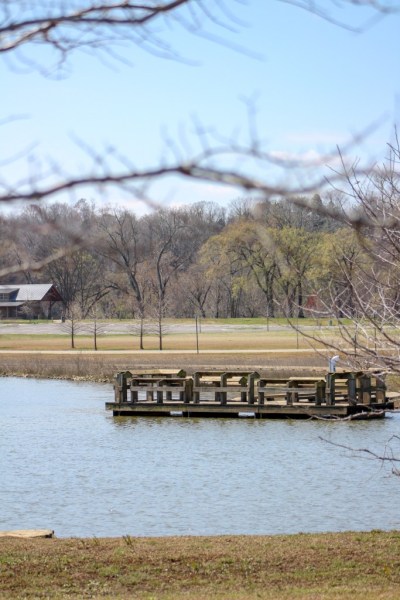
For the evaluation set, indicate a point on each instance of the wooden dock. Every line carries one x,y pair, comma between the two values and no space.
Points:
246,394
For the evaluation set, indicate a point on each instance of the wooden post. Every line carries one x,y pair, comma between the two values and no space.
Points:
188,393
261,394
330,389
320,392
134,393
352,388
365,385
289,395
223,396
380,387
295,395
250,385
196,383
159,393
121,387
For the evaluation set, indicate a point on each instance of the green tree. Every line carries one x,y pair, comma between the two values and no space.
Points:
296,254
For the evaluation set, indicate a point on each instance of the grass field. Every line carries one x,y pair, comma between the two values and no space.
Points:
256,341
233,339
364,566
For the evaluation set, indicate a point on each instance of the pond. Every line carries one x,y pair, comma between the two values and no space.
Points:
67,464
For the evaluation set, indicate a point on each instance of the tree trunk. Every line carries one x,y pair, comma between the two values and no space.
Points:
300,312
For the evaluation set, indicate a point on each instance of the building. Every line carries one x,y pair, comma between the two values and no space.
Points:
33,301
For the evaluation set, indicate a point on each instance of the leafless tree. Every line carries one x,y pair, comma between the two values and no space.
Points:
121,241
73,322
172,244
95,325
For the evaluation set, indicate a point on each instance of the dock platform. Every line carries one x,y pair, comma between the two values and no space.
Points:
236,394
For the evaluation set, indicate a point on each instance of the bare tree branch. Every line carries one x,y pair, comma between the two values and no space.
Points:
388,455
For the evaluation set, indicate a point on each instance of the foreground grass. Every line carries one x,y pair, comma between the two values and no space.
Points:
325,566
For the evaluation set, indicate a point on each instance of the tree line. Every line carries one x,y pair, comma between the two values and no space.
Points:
253,259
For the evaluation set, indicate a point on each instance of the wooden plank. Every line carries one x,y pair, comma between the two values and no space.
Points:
220,389
272,381
28,533
157,388
310,379
285,390
303,409
230,409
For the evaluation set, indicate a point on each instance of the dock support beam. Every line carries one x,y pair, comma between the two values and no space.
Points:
121,386
365,389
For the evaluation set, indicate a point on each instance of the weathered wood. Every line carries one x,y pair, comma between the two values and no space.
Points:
352,388
28,533
330,389
121,386
159,388
251,383
207,389
227,410
291,389
235,392
380,387
365,389
320,392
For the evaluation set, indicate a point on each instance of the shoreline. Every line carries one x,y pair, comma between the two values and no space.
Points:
101,367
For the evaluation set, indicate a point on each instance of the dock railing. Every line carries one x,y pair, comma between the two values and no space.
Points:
292,389
154,386
355,388
223,387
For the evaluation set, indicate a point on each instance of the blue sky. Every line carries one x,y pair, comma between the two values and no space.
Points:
314,84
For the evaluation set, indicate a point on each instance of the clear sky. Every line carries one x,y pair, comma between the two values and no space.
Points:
315,85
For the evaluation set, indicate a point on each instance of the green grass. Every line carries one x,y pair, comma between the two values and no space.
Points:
357,566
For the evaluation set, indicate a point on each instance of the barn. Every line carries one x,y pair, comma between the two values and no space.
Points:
32,301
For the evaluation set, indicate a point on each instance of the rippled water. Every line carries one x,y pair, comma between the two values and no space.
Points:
68,465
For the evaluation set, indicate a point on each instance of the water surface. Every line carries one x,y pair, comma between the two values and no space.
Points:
68,465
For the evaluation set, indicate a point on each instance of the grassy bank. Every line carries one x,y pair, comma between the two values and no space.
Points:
102,367
330,566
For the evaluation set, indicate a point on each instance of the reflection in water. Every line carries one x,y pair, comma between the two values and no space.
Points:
67,464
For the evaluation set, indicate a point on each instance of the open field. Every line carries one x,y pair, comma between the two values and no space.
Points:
253,341
221,346
364,566
232,339
178,334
